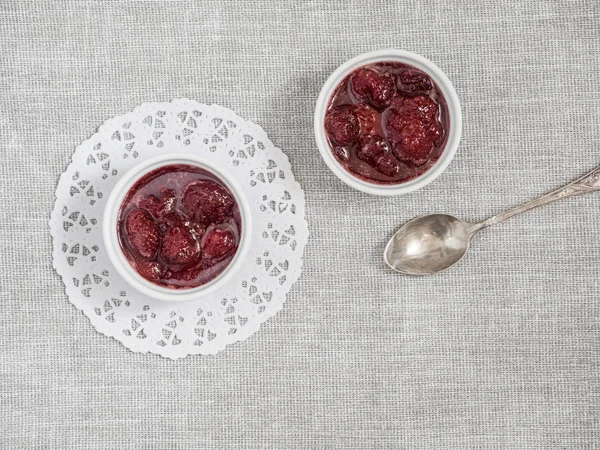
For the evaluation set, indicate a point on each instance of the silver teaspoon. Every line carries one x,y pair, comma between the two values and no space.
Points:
432,243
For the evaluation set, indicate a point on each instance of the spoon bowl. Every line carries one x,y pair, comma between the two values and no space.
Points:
428,244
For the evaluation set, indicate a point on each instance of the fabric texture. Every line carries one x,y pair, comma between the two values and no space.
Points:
501,352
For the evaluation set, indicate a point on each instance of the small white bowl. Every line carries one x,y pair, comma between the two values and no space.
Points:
111,238
454,113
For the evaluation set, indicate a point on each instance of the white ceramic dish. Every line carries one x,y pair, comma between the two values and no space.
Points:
445,87
111,239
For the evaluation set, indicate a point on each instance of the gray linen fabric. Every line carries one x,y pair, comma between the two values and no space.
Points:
501,352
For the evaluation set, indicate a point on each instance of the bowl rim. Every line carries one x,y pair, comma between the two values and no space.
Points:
454,112
111,239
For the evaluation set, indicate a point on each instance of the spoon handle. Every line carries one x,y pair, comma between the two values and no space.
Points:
587,183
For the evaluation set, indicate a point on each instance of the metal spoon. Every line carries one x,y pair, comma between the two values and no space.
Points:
432,243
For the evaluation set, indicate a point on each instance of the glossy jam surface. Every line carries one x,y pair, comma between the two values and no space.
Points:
179,226
387,123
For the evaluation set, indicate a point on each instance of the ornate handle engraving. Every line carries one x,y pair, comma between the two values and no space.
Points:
587,183
592,179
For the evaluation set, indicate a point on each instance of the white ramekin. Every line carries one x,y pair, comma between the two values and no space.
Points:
111,239
445,86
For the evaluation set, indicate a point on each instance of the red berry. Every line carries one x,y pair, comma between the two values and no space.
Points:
342,126
408,112
218,242
368,85
420,107
415,144
372,149
387,166
207,201
150,270
179,246
414,82
367,119
142,233
159,207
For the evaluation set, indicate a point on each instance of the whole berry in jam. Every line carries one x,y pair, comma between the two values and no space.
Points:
159,207
142,233
415,144
414,82
207,201
342,126
386,165
218,242
372,148
179,246
373,87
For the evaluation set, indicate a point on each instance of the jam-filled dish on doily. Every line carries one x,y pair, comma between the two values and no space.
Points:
387,123
179,226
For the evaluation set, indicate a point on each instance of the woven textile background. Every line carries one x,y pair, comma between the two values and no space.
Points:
502,352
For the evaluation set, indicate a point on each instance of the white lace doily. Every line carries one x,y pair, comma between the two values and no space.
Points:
279,230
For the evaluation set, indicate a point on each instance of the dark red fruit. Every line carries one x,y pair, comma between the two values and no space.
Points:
151,270
142,233
372,148
415,144
387,166
409,112
368,119
159,207
342,126
421,107
179,246
374,87
414,82
218,242
207,202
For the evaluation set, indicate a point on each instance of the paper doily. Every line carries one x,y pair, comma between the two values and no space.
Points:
279,230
